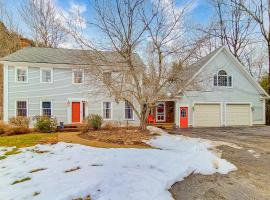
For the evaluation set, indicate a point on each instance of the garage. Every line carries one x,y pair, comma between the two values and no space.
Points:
238,115
207,115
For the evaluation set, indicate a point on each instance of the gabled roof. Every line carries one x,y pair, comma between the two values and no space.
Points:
189,71
198,66
65,56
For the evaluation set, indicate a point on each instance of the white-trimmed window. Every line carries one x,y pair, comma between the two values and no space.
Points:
21,74
46,75
222,79
78,76
128,111
46,108
21,108
107,110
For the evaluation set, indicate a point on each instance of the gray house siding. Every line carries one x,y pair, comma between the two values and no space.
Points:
242,90
59,92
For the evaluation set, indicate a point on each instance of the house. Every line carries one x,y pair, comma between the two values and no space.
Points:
47,81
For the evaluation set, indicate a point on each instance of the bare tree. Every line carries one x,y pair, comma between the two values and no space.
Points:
9,34
44,22
259,11
232,27
131,27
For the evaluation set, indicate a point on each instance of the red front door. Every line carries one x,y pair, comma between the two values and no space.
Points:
183,117
76,112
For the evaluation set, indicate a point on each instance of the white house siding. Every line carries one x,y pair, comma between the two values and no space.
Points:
58,92
242,91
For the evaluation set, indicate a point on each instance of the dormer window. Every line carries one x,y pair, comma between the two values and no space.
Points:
222,79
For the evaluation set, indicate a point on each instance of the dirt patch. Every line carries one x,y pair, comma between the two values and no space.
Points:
119,136
252,179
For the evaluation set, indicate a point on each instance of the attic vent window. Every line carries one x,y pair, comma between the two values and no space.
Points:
222,79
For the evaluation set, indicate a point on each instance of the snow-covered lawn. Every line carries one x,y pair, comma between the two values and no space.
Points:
68,171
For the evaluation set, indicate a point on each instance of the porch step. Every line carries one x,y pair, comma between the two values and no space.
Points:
163,125
71,128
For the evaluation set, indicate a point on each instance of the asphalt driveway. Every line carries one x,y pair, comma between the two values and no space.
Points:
252,179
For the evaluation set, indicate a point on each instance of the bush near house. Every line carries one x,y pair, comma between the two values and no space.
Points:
18,125
4,128
45,124
92,122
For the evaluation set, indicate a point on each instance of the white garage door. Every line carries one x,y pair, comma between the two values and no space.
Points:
207,115
238,114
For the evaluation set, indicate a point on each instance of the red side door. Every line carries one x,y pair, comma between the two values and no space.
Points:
183,117
76,112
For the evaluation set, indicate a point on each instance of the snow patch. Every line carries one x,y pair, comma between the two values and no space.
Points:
115,174
253,152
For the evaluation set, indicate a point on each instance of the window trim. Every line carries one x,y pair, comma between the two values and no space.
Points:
16,77
41,109
219,86
102,110
131,119
27,107
73,77
43,68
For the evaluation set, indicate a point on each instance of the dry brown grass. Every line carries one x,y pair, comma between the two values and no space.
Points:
119,136
109,138
113,138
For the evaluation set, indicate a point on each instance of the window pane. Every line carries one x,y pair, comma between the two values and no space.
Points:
21,75
107,76
128,111
222,72
78,76
107,110
21,108
230,81
215,80
46,76
46,108
222,80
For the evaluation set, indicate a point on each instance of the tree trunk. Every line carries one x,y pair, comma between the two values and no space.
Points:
143,117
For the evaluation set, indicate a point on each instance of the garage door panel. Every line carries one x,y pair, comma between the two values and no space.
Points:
238,114
207,115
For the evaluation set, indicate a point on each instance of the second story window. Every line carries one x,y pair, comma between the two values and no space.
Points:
21,75
107,77
222,79
46,75
78,77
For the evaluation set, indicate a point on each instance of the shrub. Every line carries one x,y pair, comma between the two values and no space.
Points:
45,124
92,122
19,125
109,126
4,128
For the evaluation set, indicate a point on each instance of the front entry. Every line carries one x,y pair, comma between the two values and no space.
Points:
183,117
76,112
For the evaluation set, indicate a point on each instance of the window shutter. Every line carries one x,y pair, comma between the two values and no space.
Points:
215,80
230,81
